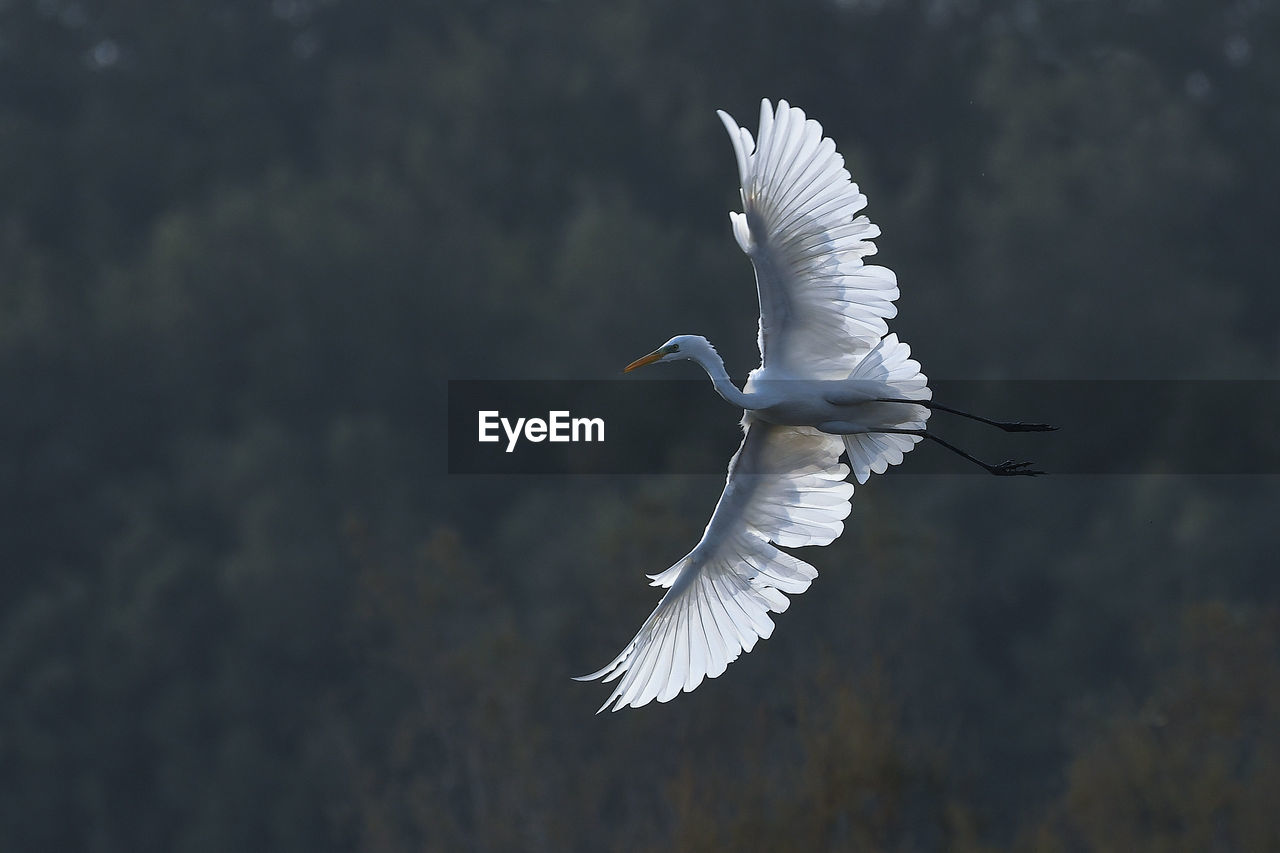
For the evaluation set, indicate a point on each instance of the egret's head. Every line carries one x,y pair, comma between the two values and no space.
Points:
681,346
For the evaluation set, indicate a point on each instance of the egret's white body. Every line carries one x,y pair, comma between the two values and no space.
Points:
828,368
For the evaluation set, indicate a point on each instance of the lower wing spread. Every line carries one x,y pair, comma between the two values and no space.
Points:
786,486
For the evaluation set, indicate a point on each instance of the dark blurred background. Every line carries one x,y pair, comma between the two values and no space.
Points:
244,244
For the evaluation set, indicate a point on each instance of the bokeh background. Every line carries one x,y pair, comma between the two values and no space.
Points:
244,244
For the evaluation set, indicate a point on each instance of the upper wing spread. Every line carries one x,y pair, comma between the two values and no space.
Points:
821,308
785,486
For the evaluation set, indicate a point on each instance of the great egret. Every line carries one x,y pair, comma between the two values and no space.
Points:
831,381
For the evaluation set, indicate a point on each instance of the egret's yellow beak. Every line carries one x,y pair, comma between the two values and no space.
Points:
643,360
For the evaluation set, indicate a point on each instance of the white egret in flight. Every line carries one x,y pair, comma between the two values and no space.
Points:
832,381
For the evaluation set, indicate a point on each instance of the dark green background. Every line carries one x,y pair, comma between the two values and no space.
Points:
243,245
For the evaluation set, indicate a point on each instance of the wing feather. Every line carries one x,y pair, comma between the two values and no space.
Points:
821,308
786,487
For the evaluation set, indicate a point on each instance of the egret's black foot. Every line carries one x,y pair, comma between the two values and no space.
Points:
1011,469
1019,426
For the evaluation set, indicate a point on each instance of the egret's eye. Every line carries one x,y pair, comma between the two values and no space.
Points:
673,348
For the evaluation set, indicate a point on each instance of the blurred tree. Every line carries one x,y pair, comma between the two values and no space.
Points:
1195,768
858,784
1090,216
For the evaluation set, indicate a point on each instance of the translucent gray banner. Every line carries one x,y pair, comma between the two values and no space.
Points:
630,426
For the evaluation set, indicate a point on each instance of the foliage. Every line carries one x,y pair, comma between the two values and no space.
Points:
244,244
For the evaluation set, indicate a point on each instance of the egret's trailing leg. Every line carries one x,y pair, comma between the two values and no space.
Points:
1004,469
1007,426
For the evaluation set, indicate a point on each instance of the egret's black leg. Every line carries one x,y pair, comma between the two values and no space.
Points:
1004,469
1007,426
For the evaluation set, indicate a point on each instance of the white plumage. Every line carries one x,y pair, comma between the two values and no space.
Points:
828,373
785,486
821,307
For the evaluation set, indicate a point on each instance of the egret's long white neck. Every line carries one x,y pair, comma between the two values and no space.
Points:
714,366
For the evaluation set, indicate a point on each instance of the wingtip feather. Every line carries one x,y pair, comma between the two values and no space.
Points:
735,137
